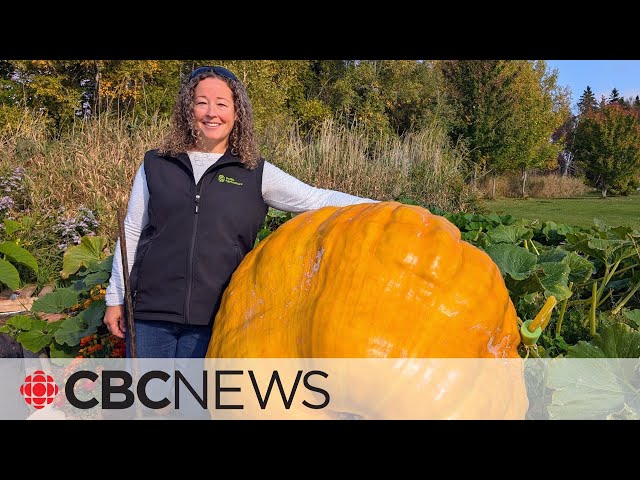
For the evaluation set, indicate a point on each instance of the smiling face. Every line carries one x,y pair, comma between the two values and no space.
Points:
214,113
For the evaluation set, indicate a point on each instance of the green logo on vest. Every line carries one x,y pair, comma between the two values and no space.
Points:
232,181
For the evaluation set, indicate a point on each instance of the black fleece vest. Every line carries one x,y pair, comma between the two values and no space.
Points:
196,237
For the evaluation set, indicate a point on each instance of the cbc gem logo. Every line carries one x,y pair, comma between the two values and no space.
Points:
39,389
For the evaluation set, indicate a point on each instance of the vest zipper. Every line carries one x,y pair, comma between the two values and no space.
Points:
191,252
197,198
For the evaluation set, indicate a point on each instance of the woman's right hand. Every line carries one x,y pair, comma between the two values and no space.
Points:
114,320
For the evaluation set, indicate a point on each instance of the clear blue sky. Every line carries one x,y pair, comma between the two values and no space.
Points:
601,75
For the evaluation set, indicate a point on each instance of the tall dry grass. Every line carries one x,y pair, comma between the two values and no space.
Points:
94,163
20,128
91,164
539,185
420,165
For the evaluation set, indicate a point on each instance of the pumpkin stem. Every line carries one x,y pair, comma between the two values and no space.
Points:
531,330
544,315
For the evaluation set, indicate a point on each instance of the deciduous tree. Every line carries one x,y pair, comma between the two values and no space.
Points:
607,145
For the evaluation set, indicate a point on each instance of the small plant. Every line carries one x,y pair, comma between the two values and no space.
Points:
6,206
13,191
70,229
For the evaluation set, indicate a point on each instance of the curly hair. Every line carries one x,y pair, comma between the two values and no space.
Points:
183,131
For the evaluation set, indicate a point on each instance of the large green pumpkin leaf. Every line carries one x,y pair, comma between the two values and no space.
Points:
71,331
19,255
92,316
596,386
590,388
512,260
494,217
598,379
509,234
555,255
556,233
528,286
615,341
62,351
583,242
580,268
85,323
21,322
9,275
89,251
34,340
106,264
622,232
56,301
607,246
554,280
96,278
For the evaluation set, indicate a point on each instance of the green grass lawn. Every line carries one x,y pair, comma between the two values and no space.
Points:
572,211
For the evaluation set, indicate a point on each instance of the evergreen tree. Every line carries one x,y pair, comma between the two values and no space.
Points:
614,97
587,101
603,101
482,97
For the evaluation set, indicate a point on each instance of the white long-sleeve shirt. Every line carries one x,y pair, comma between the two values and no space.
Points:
279,190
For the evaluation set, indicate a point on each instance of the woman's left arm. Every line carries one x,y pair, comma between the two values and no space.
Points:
285,192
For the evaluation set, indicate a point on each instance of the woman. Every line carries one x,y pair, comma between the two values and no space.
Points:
195,209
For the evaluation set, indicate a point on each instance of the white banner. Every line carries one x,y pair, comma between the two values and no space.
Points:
359,388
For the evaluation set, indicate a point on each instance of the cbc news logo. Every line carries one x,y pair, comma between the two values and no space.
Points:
39,389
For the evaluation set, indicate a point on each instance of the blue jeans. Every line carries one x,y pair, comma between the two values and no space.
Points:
167,340
158,339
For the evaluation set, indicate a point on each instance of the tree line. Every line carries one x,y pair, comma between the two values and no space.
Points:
605,139
507,115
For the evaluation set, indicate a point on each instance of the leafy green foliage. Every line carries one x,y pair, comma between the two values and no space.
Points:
580,269
13,253
86,269
593,389
17,254
9,275
616,341
505,111
514,234
539,260
82,325
87,254
17,322
481,95
38,336
607,145
540,109
272,221
56,301
599,379
633,315
513,260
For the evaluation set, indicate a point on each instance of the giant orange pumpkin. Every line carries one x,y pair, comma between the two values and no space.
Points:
377,280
